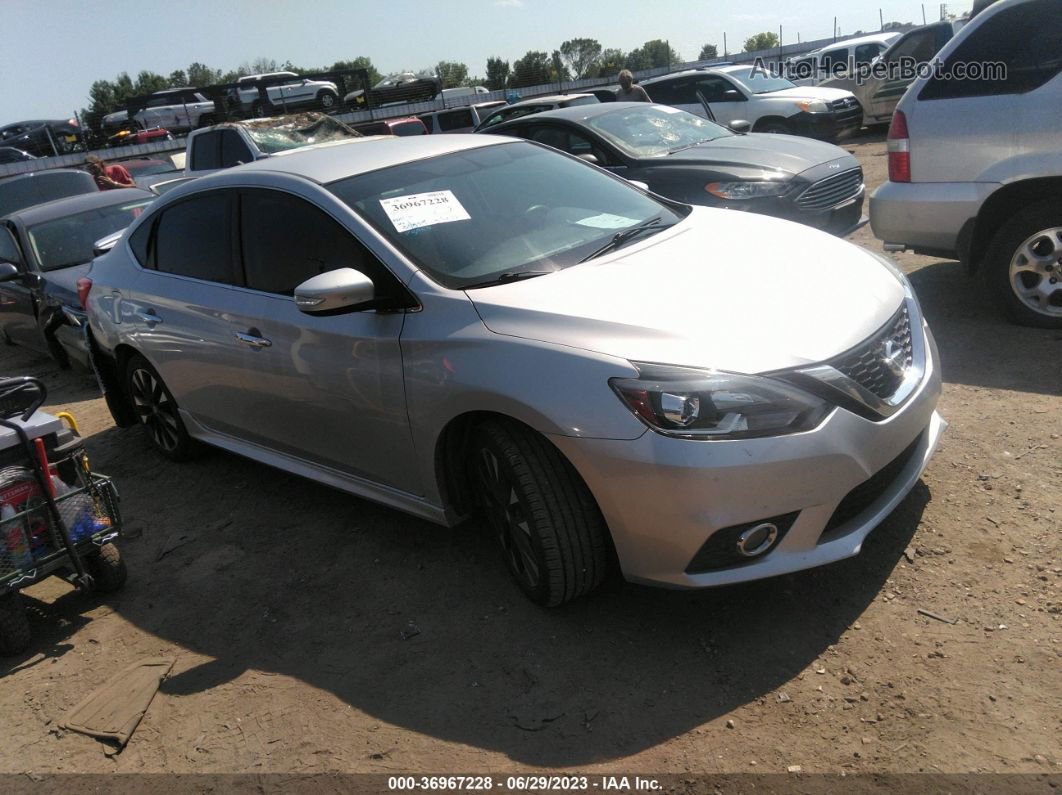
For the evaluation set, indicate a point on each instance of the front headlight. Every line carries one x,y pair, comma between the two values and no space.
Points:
702,404
812,106
746,190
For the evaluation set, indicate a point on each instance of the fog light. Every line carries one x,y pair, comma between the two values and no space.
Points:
757,540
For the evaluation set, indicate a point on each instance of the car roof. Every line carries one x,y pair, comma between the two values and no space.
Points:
326,163
39,175
577,114
547,98
873,37
683,73
71,205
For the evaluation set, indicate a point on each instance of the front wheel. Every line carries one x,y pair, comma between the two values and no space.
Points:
157,411
552,535
327,100
107,569
1023,266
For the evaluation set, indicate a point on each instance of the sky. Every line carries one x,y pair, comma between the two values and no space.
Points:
54,50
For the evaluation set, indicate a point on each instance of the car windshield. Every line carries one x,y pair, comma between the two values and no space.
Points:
20,192
760,82
291,132
68,241
654,130
481,214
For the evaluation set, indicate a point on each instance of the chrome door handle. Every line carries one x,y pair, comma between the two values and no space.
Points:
253,341
148,316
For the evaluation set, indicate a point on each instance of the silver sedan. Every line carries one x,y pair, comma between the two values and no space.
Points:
473,325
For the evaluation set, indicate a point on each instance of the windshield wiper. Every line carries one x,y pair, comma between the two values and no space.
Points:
688,146
506,278
624,235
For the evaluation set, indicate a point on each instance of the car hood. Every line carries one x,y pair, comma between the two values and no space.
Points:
807,92
724,290
789,153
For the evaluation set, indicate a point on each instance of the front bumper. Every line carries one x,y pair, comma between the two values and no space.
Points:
828,126
841,220
664,497
926,216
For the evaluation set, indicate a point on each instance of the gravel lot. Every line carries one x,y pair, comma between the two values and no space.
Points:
317,632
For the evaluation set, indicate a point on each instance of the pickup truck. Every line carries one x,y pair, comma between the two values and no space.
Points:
226,145
176,109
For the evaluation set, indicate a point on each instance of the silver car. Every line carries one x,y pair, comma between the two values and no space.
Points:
459,325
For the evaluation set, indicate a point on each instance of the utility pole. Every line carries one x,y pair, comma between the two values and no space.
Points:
835,28
923,13
881,20
725,52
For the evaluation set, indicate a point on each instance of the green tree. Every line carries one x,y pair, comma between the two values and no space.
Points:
149,82
610,62
897,26
652,55
202,75
497,73
580,56
761,41
558,72
708,52
451,73
361,62
177,78
531,70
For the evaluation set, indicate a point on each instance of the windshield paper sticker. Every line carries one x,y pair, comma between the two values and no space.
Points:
424,209
607,221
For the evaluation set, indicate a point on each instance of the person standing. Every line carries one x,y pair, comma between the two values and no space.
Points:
628,92
108,177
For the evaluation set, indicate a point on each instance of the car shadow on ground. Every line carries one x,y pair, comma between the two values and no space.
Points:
978,346
420,627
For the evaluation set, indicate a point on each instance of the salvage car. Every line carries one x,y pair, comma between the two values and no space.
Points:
878,94
44,250
404,125
992,196
9,154
536,105
770,104
401,87
176,109
693,160
285,92
461,119
43,138
834,61
38,187
481,325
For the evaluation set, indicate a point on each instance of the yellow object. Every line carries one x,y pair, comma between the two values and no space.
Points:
66,415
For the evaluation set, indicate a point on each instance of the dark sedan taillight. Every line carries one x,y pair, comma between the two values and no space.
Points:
84,285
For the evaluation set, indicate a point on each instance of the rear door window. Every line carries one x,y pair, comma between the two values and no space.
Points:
8,250
194,238
1025,44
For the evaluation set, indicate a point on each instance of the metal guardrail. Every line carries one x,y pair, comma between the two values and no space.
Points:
773,55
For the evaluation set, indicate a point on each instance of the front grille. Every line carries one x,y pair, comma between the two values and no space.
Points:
867,364
867,493
832,191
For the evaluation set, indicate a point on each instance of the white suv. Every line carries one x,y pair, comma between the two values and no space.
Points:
176,109
770,104
975,165
285,91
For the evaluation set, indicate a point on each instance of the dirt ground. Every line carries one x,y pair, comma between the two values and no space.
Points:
317,632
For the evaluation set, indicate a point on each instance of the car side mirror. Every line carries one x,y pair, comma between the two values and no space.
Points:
9,272
731,94
105,244
341,289
589,158
739,126
639,184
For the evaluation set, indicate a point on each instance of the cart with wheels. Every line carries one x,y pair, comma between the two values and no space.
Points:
57,517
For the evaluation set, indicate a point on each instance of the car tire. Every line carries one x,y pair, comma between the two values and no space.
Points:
1022,268
107,569
775,126
327,101
550,530
15,634
157,411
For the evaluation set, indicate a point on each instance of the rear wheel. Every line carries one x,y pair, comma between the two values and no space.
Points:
327,100
107,569
1023,266
14,626
552,535
157,410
